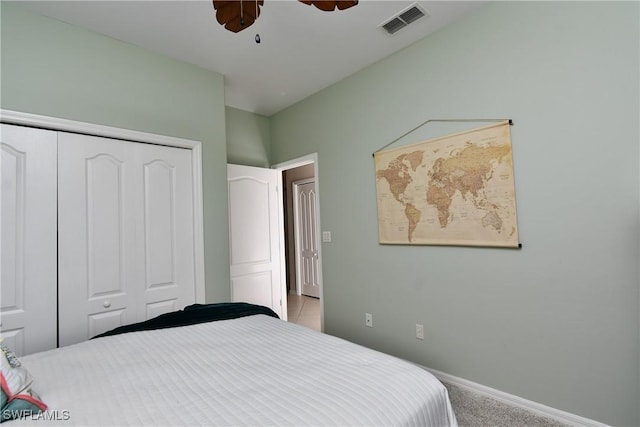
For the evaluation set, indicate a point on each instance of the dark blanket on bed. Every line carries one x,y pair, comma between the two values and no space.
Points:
192,314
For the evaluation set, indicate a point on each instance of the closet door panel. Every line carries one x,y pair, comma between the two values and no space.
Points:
159,221
126,233
167,220
97,256
28,287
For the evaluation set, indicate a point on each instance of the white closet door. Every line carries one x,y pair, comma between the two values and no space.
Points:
165,199
28,289
126,239
97,274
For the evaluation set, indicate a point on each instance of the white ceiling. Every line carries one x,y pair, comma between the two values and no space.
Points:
302,49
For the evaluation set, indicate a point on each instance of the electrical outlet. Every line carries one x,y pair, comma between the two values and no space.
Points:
419,332
368,320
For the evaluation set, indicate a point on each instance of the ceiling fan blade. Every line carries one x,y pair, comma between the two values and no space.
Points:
342,5
328,6
237,15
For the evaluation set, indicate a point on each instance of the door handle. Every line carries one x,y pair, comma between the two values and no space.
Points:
106,304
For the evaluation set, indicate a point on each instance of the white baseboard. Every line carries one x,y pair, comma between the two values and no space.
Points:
510,399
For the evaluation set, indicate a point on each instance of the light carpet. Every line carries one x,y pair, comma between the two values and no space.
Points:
476,410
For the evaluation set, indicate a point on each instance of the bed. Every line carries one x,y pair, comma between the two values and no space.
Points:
253,369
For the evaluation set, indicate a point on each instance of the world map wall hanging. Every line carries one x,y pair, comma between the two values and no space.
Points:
452,190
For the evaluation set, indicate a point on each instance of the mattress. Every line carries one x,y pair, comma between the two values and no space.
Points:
254,370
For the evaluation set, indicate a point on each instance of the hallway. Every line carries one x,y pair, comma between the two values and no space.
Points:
304,310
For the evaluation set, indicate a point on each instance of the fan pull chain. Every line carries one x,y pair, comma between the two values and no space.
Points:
257,35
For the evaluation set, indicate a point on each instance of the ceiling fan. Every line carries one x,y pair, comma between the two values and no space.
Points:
236,15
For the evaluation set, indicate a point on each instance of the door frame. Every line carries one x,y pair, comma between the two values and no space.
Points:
57,124
291,164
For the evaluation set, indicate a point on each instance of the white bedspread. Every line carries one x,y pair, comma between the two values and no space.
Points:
255,370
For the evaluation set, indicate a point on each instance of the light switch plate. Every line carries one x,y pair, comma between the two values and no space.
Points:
419,331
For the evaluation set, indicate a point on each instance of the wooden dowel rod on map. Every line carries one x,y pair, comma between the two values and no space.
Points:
441,120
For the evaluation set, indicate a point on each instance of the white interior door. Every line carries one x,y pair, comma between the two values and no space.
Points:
28,250
307,268
126,233
255,238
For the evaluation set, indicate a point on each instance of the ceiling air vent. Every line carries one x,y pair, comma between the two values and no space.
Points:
402,19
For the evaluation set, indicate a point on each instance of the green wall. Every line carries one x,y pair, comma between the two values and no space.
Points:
557,322
59,70
248,138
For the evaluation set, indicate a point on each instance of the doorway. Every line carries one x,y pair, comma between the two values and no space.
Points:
306,310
